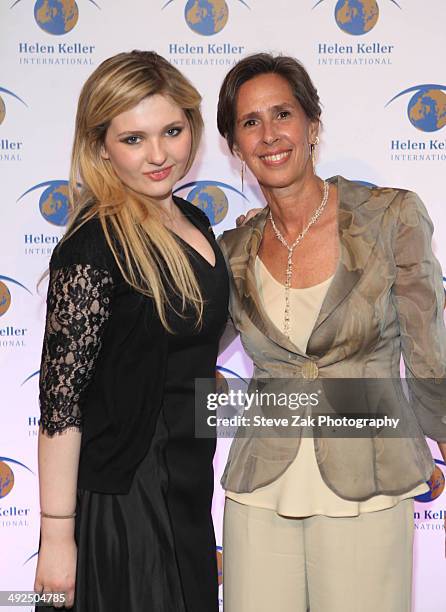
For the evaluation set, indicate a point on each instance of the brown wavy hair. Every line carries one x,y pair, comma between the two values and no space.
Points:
264,63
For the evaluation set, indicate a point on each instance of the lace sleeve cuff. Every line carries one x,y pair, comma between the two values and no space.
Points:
78,308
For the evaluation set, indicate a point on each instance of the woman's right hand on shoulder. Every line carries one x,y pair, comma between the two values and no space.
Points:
56,568
242,219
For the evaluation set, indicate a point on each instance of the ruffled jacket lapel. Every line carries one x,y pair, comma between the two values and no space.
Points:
359,218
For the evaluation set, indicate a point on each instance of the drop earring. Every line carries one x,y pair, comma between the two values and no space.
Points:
313,146
242,175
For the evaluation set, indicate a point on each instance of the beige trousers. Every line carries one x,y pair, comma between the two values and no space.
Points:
319,564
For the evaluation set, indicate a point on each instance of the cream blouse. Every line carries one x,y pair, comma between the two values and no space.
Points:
300,490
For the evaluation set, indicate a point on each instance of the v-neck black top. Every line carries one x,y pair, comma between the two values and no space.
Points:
105,361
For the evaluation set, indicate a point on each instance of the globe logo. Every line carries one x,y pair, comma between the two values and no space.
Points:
427,106
54,201
5,295
53,204
206,17
356,17
211,200
210,197
2,110
427,110
5,299
56,16
436,486
7,475
6,479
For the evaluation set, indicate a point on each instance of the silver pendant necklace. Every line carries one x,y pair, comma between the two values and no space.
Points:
289,269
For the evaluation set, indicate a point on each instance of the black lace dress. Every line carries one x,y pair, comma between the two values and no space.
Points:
151,549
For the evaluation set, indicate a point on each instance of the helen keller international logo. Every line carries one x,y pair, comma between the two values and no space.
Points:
7,475
53,202
5,293
356,17
206,17
210,197
56,17
2,102
6,479
10,514
426,109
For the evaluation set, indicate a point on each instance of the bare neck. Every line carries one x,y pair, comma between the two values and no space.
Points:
293,206
167,206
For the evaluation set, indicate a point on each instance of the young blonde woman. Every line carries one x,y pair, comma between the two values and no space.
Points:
136,303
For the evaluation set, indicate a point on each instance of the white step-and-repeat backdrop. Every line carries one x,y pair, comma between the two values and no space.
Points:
379,67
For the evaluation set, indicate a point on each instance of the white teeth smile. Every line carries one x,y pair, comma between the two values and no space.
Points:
277,157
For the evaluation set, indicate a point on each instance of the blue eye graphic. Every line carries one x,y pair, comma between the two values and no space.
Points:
356,17
426,109
3,105
209,196
53,203
220,371
5,294
31,557
56,17
36,373
206,17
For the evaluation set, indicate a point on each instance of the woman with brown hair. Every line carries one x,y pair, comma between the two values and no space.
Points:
136,303
331,280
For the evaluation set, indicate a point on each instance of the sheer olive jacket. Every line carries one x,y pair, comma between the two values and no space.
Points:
386,299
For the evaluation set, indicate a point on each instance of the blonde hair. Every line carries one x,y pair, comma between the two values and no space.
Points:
151,260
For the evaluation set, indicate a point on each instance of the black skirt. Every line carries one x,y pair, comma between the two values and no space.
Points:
153,549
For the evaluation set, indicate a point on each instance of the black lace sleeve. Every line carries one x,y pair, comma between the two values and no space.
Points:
78,308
